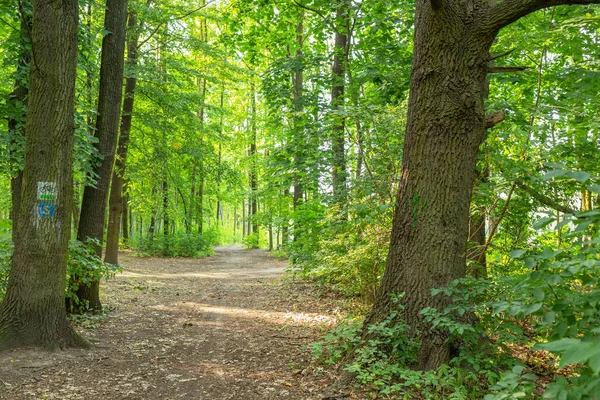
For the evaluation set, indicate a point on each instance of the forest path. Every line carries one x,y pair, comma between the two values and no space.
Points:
231,326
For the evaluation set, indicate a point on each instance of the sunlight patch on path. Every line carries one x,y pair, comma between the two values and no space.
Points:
273,317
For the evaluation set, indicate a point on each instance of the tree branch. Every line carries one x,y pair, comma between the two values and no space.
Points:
508,11
187,14
494,69
319,13
504,54
494,119
544,200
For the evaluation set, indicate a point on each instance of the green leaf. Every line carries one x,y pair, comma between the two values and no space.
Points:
538,294
518,369
594,362
517,253
549,317
542,223
558,345
553,174
530,262
579,176
578,352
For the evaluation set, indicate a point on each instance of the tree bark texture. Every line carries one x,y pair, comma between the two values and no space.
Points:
152,227
93,207
165,194
201,110
116,203
33,311
253,168
16,121
340,64
298,88
445,127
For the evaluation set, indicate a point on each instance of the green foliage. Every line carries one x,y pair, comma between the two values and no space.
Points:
84,264
351,255
384,361
6,250
89,320
513,384
251,241
179,244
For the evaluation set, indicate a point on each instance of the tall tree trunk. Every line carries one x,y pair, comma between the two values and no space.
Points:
298,88
89,93
17,102
202,92
117,207
249,220
76,210
285,237
190,215
444,130
152,227
33,310
235,222
200,204
219,160
445,127
477,238
254,167
165,193
340,63
126,215
93,208
243,219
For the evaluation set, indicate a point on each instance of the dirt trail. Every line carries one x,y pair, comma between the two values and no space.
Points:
223,327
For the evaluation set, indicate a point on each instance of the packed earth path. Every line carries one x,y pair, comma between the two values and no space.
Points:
231,326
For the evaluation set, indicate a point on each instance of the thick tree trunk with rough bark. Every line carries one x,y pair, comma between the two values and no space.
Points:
33,311
116,203
93,208
445,127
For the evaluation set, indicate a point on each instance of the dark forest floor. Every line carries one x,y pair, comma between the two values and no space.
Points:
231,326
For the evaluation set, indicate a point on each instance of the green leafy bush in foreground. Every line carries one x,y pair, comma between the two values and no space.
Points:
87,267
5,257
82,262
536,333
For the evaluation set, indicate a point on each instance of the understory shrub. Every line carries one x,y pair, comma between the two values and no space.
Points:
179,244
251,241
533,333
349,253
6,250
82,262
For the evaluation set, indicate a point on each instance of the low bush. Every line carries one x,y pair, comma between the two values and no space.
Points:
6,250
82,262
534,333
178,245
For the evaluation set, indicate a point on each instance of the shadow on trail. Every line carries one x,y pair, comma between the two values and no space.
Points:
221,327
